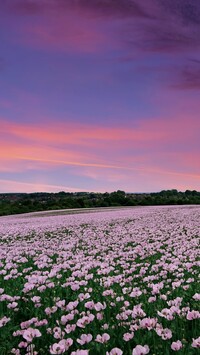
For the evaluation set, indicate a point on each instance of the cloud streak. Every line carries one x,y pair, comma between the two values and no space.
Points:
148,19
130,27
19,186
111,8
135,149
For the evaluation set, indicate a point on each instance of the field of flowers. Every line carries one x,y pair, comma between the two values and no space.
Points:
116,282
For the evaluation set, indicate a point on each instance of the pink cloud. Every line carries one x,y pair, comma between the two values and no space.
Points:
133,156
151,132
74,133
19,186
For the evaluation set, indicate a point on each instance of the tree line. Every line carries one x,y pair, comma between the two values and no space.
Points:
14,203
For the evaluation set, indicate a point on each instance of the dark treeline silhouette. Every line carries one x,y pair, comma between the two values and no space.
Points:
13,203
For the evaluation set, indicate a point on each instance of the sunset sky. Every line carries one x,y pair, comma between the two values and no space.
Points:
99,95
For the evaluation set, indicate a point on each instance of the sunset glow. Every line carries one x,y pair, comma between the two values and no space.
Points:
99,95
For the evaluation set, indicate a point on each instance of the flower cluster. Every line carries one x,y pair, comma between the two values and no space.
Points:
109,283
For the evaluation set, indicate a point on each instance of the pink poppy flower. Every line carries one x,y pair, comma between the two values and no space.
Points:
102,338
196,297
84,339
89,305
31,333
193,315
176,345
128,336
57,348
140,350
61,347
196,342
4,320
23,344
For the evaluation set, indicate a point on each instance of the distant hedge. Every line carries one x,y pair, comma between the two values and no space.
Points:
13,203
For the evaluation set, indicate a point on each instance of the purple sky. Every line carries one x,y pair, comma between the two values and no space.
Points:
99,95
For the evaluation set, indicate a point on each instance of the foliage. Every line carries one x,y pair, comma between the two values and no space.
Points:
23,203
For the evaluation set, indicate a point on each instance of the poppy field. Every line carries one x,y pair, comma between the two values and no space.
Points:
108,283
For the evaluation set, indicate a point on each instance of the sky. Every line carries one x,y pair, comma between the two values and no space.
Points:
99,95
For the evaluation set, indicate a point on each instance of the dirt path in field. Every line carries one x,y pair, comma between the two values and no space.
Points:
72,211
